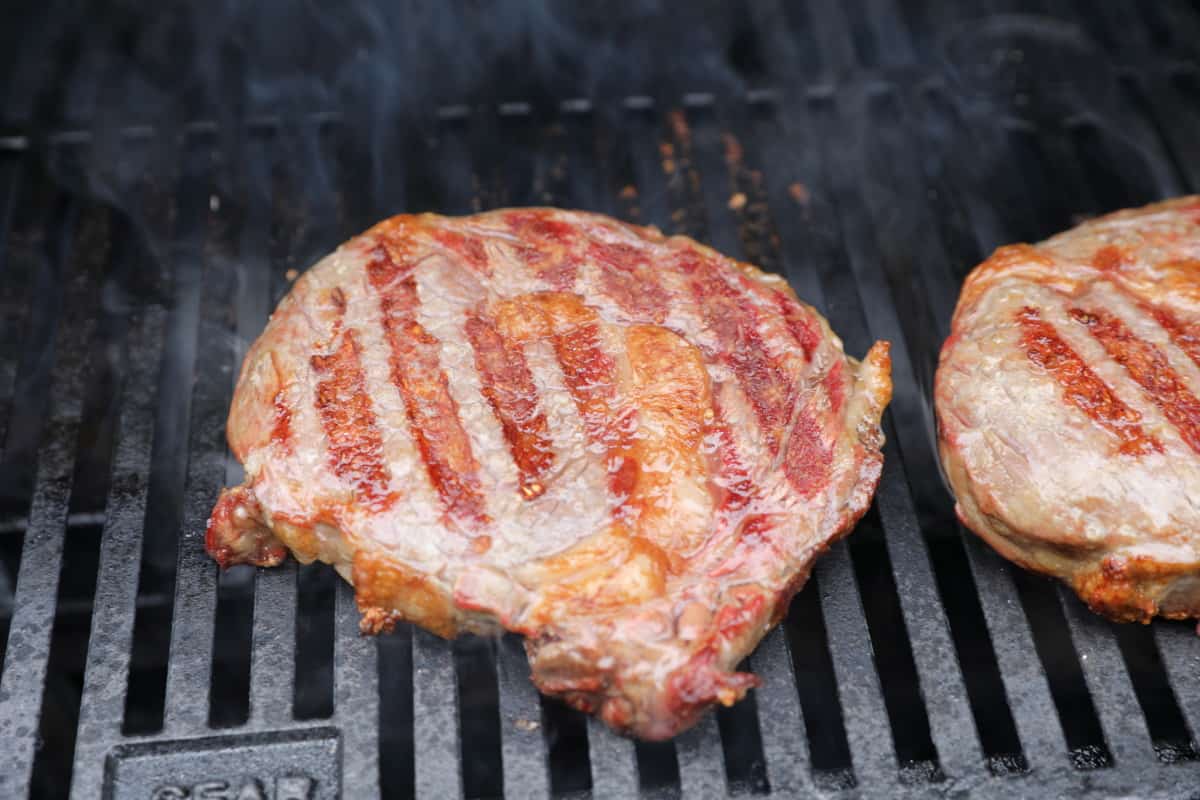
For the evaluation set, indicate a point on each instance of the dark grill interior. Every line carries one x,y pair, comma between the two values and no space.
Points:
162,178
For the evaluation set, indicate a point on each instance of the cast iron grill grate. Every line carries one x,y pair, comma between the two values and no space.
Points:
915,662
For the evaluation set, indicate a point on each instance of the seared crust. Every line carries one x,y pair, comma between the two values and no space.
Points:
626,447
1068,424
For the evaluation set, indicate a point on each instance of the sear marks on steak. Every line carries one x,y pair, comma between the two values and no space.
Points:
1068,410
626,447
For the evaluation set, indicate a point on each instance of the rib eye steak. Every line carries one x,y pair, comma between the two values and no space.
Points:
1069,424
626,447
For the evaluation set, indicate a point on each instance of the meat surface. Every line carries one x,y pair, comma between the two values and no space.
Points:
1068,418
626,447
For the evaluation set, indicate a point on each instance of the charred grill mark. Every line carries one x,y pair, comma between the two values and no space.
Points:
1082,387
355,445
1108,258
835,387
541,226
1148,366
432,412
802,326
559,275
627,278
1185,337
469,248
743,349
591,379
764,380
808,459
730,472
731,475
281,428
549,250
509,388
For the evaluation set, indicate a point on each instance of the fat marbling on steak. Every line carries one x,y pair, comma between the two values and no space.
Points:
1069,424
626,447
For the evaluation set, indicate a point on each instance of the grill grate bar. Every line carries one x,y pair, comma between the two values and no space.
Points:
103,698
356,698
613,761
1025,682
641,140
189,667
272,665
780,718
437,759
522,743
1104,671
959,751
831,29
858,684
701,760
23,680
273,650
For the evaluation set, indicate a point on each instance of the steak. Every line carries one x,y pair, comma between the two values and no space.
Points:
625,447
1068,418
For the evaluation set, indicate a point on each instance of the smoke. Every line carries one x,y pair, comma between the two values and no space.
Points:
380,70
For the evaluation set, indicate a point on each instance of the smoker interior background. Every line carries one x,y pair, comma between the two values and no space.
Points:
163,174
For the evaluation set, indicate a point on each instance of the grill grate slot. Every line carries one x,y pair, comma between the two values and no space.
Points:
1168,730
893,655
479,715
566,733
396,713
657,766
229,676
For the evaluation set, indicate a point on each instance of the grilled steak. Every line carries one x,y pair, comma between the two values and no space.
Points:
1069,424
626,447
